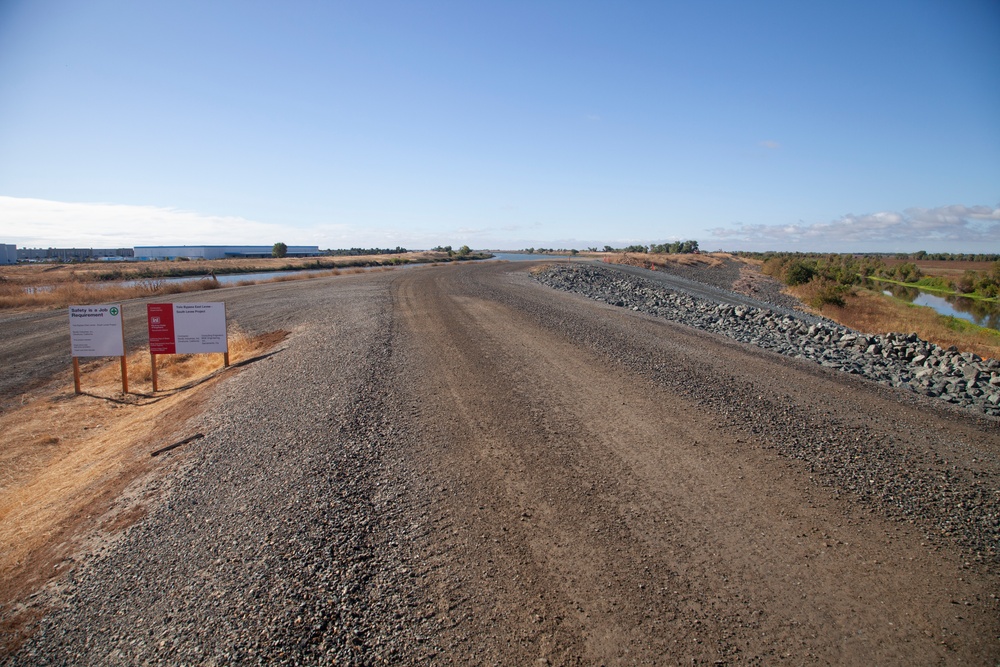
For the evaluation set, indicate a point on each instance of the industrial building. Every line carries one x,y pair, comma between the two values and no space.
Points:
8,253
219,251
73,254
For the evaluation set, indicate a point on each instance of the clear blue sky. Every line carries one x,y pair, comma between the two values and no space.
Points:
829,126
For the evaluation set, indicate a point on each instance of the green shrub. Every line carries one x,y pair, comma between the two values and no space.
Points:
798,273
825,291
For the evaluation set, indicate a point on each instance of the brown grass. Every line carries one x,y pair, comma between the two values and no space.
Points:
942,268
875,313
66,460
662,260
66,294
46,286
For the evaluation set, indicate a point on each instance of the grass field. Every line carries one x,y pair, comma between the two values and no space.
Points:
941,268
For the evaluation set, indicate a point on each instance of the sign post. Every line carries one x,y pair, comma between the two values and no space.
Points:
97,331
186,328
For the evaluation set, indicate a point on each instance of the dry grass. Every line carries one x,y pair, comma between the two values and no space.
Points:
661,260
942,268
875,313
66,294
65,460
46,286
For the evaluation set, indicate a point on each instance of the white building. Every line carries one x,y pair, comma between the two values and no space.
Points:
8,254
219,251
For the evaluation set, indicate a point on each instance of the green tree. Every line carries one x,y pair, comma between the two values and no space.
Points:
464,250
279,250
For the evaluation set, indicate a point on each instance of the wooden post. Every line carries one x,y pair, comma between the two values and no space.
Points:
225,319
124,352
152,361
76,374
124,375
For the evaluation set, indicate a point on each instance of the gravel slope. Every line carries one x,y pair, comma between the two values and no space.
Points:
273,545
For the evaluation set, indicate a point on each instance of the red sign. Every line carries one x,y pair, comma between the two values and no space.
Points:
161,328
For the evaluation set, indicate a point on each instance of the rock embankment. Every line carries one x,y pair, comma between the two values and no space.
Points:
894,359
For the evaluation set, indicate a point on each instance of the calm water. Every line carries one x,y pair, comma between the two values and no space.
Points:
228,279
983,313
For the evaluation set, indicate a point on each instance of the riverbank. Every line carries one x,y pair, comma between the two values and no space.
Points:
925,286
876,313
47,286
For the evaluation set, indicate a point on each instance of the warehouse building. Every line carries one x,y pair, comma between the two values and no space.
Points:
73,254
219,251
8,253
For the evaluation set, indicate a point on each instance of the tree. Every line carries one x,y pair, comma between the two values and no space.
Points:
464,250
279,250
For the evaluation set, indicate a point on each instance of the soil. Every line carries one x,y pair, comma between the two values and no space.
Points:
596,515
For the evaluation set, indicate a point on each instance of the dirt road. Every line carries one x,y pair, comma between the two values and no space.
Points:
557,482
600,513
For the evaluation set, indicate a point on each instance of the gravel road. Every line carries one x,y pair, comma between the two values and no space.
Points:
459,465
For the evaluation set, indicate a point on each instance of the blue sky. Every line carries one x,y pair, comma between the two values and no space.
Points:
834,126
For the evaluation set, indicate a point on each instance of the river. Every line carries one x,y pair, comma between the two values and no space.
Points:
982,313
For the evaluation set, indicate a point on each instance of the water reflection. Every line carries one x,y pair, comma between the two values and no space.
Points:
983,313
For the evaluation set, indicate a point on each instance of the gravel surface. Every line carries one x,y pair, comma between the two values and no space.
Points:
730,275
958,504
717,287
896,360
279,542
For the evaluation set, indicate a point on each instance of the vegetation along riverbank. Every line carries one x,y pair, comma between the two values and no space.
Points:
57,285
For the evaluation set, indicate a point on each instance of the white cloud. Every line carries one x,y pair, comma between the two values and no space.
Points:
40,223
43,223
954,228
769,144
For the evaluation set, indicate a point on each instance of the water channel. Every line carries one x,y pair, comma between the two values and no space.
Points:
983,313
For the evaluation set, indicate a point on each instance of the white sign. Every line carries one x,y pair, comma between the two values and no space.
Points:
96,331
187,328
200,327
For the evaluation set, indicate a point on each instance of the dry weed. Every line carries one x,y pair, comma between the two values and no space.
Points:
66,459
876,314
661,260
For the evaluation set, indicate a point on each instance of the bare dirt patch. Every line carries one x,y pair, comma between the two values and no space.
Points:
71,464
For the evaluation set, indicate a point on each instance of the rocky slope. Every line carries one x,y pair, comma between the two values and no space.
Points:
895,359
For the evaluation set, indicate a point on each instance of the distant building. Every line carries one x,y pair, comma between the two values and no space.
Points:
74,254
219,251
8,254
